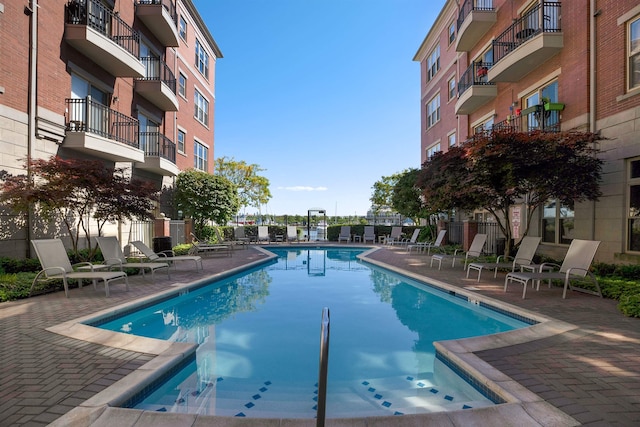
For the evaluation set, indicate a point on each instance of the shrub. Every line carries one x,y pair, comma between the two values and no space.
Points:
11,265
630,304
15,286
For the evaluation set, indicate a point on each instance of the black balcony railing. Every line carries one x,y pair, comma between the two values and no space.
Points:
169,5
156,144
87,115
100,18
470,5
156,69
537,120
543,18
475,74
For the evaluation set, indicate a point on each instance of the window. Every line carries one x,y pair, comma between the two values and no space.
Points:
182,29
202,59
633,213
557,223
433,63
452,139
452,88
634,53
433,150
182,85
433,111
485,126
201,106
200,156
452,32
181,137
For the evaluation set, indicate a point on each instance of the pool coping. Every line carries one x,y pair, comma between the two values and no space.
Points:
522,406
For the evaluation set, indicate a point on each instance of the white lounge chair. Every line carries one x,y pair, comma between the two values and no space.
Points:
394,237
200,247
474,252
56,265
369,234
524,257
292,233
421,246
263,234
575,266
114,257
164,257
345,234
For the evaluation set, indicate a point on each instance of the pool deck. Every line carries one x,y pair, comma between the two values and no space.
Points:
585,372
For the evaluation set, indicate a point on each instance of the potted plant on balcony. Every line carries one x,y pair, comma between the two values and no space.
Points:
552,106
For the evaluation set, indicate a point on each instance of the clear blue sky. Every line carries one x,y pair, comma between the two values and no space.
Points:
322,94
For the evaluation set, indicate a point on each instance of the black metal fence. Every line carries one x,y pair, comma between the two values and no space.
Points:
87,115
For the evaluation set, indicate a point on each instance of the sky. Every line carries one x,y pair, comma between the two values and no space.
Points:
323,95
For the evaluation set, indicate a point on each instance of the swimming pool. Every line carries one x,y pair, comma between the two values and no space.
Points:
258,341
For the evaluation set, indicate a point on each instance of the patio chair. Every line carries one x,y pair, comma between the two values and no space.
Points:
474,252
204,248
240,236
114,257
222,241
575,266
394,237
345,234
421,246
163,256
411,240
56,265
292,233
523,257
263,234
369,234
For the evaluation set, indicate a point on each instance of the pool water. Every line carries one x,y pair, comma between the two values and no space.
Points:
259,334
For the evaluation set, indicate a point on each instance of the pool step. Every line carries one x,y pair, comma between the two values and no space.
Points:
379,396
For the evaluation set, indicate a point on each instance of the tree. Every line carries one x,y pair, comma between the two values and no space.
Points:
253,189
496,170
406,196
75,190
204,197
383,193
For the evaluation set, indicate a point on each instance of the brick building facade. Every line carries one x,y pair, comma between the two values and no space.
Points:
544,65
129,83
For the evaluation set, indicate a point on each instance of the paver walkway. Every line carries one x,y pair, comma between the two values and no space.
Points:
592,373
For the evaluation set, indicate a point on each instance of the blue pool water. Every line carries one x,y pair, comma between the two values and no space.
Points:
258,335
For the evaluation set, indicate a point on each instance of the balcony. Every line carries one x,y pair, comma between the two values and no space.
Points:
530,41
97,130
534,118
476,17
159,154
99,34
158,85
474,89
161,18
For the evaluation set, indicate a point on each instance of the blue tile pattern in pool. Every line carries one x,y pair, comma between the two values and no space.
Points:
257,336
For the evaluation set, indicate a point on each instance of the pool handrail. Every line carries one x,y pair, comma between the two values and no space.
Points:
322,371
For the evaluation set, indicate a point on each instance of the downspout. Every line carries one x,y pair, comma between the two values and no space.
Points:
592,91
32,107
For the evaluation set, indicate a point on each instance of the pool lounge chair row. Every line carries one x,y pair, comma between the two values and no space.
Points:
56,265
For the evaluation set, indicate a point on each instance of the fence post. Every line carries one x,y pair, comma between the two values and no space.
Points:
469,231
161,227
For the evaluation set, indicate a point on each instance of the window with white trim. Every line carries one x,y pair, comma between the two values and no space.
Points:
452,32
452,88
433,150
452,139
633,53
181,138
182,85
433,63
182,28
433,111
200,156
202,59
201,108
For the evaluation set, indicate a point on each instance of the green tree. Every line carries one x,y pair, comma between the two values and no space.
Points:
381,197
73,190
253,189
204,197
494,171
406,196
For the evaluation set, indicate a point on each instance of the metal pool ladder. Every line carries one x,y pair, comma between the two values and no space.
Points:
322,371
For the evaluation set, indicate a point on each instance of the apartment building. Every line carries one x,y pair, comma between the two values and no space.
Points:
129,83
544,65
